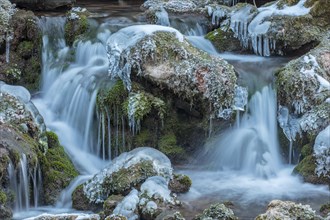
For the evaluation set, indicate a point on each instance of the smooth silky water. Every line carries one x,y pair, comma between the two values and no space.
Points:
242,164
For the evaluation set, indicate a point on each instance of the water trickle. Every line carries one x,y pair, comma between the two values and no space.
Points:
21,180
162,17
8,39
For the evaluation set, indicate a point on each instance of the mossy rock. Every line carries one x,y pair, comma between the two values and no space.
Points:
75,28
58,170
325,209
113,96
306,169
180,183
224,40
110,204
123,180
306,150
81,202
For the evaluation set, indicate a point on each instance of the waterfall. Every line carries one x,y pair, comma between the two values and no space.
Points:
70,91
251,147
20,180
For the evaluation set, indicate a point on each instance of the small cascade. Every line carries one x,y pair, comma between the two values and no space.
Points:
251,148
21,179
162,17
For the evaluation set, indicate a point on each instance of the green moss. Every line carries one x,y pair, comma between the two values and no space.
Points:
224,40
74,29
126,178
306,150
306,169
185,180
112,97
143,138
168,145
3,197
25,49
57,168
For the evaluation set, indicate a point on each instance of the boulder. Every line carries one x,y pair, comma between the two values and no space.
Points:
278,209
20,62
191,74
217,211
71,216
180,183
126,171
279,27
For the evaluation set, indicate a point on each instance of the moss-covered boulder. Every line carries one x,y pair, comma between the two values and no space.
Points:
111,203
191,74
23,66
278,209
306,169
180,183
57,168
217,211
325,209
23,140
303,87
275,29
76,25
125,172
224,40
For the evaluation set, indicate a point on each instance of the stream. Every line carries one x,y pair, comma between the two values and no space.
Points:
230,168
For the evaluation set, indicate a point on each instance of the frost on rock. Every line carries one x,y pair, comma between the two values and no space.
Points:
156,188
16,108
72,216
186,71
288,210
322,152
161,165
128,207
7,10
176,6
252,26
121,42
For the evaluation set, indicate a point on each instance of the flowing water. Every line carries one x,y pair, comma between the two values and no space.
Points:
242,164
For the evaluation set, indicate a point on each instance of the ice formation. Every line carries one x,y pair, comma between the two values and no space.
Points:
241,98
128,206
322,152
217,14
123,40
251,25
156,187
161,164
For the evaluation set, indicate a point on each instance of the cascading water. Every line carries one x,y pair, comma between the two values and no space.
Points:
20,180
252,147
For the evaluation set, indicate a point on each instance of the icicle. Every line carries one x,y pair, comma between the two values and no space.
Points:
98,146
8,39
103,135
109,133
123,133
117,132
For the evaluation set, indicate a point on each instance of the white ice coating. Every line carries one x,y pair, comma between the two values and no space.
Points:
128,206
251,26
123,40
162,17
240,98
161,164
19,92
310,59
156,187
75,216
322,152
